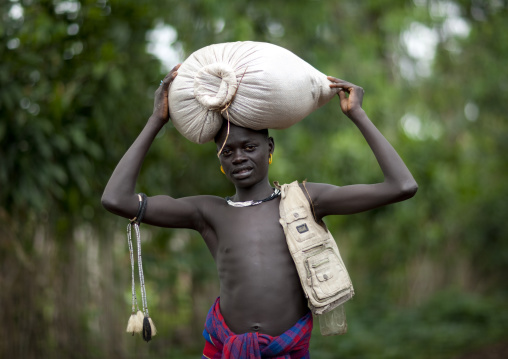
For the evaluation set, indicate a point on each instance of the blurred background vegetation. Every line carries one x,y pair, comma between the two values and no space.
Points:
77,79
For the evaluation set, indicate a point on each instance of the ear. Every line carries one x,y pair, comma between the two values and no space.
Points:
271,145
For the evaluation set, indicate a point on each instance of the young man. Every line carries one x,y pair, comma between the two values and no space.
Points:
260,291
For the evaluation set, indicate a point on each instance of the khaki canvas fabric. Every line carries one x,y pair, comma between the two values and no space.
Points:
261,84
322,272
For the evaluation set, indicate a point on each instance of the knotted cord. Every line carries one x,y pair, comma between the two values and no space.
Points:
225,109
146,325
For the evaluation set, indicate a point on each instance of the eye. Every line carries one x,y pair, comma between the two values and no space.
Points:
250,148
226,152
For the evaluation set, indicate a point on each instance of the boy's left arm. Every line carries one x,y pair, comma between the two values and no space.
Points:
398,183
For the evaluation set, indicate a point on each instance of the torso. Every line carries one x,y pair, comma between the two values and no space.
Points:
259,286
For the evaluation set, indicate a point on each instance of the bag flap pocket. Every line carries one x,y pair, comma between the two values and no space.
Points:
295,214
328,276
324,276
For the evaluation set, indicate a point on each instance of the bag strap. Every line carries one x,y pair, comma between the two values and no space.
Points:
309,198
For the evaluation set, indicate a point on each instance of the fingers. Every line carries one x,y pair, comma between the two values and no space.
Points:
342,96
350,95
344,101
170,76
338,82
346,86
174,71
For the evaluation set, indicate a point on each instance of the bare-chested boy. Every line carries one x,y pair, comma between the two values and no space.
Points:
260,292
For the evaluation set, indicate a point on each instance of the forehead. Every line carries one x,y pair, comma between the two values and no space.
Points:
237,134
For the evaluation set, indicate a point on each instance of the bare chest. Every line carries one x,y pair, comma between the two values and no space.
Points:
250,228
258,279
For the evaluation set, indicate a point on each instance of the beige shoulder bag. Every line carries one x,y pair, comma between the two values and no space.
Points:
322,272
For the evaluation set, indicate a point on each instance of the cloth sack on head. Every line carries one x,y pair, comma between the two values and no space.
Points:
261,84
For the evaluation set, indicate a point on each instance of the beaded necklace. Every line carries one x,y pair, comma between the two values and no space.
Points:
275,194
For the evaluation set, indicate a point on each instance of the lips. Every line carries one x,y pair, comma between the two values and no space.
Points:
242,169
242,172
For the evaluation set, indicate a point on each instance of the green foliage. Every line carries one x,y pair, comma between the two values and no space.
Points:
443,327
76,86
58,84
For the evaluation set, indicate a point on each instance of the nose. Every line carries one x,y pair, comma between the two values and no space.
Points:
238,157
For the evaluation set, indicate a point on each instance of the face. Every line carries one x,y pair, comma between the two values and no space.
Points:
245,155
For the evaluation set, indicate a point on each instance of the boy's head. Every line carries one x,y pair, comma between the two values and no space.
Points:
244,153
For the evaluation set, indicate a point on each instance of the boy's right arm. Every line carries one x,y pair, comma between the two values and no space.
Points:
119,196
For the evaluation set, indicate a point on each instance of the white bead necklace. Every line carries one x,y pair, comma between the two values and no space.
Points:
275,194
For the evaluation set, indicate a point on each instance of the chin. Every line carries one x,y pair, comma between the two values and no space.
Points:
247,182
243,183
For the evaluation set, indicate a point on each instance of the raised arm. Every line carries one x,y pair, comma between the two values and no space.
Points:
398,184
119,196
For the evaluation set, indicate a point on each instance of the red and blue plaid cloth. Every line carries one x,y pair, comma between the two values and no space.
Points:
222,343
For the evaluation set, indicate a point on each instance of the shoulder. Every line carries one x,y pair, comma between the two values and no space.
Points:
313,191
321,196
317,189
185,212
202,199
204,203
208,208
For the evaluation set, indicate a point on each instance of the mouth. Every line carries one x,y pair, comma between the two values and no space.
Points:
242,172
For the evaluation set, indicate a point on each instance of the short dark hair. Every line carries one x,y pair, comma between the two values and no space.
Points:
224,126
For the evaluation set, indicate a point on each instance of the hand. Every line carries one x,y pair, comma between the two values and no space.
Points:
161,104
351,96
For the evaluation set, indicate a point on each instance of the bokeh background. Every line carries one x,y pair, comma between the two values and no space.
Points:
77,79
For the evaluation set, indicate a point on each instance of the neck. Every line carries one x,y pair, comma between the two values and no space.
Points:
258,191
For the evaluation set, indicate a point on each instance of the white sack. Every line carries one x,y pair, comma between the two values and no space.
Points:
277,90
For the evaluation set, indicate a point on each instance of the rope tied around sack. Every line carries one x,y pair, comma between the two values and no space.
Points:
225,109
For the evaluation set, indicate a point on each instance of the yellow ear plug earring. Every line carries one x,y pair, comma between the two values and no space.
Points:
270,159
222,170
